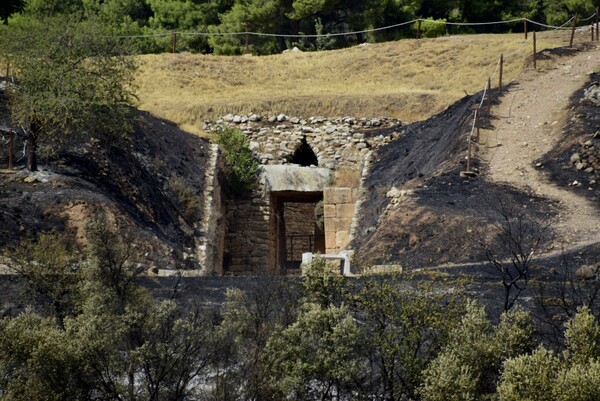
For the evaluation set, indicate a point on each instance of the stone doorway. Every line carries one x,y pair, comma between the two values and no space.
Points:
297,227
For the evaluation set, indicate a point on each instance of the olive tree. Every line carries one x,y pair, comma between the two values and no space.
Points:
73,79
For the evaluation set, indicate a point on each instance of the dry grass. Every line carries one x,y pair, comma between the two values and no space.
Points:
408,79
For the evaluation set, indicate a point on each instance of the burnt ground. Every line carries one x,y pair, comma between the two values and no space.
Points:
150,186
434,224
581,136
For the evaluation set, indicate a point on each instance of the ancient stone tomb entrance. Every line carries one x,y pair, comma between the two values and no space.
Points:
299,226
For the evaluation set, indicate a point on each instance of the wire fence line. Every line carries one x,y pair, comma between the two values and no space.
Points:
350,33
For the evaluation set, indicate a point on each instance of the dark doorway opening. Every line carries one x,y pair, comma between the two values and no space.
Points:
304,155
296,227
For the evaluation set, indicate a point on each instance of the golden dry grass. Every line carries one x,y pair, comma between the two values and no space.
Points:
407,79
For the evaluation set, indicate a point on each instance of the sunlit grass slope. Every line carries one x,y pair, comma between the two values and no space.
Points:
408,79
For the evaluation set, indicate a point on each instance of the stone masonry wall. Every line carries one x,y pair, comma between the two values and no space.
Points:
336,142
339,207
249,240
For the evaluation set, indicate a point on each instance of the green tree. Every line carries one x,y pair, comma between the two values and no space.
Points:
315,358
265,16
249,319
481,349
51,273
403,328
582,335
74,79
529,377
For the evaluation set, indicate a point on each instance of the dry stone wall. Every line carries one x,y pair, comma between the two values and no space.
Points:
249,238
337,142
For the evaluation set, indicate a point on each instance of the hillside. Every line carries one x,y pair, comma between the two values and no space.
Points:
407,79
525,158
149,188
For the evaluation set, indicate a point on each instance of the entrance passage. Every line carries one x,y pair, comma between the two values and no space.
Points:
299,226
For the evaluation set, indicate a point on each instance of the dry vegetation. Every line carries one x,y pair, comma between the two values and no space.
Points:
408,79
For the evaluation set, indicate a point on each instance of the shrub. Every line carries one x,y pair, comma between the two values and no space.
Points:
241,168
529,377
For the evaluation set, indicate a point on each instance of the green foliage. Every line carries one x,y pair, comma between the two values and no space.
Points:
481,349
51,273
580,382
74,79
321,284
241,167
114,266
582,337
249,319
38,361
403,329
447,379
529,377
431,29
9,7
316,356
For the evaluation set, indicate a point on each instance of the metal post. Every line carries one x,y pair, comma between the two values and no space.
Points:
419,30
525,27
174,41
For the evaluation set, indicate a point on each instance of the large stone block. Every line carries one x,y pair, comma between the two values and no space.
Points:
329,211
345,210
331,243
342,239
337,195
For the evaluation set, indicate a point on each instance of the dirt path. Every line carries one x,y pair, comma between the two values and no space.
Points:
530,120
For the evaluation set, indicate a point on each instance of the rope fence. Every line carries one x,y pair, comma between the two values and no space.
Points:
350,33
474,135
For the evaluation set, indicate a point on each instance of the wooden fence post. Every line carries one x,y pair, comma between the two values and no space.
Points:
575,20
419,30
469,151
534,51
477,125
525,27
597,24
174,41
489,99
501,72
11,150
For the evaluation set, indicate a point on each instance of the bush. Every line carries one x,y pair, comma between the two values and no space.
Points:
431,28
446,379
529,377
241,168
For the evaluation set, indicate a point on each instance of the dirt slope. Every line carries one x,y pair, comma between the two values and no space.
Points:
535,126
151,186
534,120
